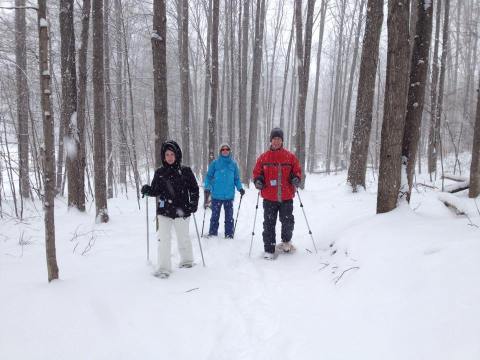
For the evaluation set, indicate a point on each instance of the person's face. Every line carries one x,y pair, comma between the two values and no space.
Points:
276,142
169,157
225,151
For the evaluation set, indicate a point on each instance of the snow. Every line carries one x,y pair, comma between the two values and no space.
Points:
427,4
43,23
71,148
400,285
155,36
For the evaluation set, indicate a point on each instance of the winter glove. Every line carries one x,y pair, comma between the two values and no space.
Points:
193,207
242,192
206,199
295,181
259,184
146,190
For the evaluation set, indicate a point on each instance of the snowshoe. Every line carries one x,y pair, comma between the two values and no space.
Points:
161,274
285,247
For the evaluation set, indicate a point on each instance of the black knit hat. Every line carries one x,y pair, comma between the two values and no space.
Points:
276,132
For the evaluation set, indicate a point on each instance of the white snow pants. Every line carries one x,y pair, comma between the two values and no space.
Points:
164,237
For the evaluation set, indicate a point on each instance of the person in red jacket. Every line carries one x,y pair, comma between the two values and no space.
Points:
277,174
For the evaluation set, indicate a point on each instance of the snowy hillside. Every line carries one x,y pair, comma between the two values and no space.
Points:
402,285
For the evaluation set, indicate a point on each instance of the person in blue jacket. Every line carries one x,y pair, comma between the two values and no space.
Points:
222,178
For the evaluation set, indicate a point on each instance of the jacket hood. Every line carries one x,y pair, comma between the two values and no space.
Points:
173,146
220,150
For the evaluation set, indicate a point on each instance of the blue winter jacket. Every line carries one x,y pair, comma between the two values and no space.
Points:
222,178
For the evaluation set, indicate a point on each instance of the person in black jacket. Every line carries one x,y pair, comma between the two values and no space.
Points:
176,190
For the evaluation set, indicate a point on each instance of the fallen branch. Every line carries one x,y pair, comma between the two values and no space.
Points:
343,273
454,178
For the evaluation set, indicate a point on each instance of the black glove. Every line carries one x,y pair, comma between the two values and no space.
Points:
146,190
206,199
193,207
242,192
259,184
295,181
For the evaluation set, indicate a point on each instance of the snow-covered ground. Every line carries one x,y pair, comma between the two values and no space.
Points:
402,285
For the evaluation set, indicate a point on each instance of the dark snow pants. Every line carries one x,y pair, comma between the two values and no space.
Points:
216,207
270,210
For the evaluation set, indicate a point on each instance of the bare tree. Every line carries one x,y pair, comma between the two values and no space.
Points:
184,78
474,190
432,137
212,118
108,99
312,158
303,67
69,104
416,90
159,50
49,140
256,75
366,92
22,97
82,94
353,67
242,94
119,95
395,104
99,113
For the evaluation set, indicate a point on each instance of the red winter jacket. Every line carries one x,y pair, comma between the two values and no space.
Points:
276,168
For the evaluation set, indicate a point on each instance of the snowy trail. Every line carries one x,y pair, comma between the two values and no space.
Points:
394,286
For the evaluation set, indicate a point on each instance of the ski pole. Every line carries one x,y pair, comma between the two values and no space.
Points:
198,237
254,221
236,219
305,216
203,222
148,232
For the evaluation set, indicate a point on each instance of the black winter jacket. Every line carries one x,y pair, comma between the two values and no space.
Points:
174,186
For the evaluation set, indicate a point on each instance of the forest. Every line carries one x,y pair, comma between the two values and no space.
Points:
91,89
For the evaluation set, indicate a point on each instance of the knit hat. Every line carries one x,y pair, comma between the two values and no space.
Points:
276,132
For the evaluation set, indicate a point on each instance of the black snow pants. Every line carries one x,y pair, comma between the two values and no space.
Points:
270,210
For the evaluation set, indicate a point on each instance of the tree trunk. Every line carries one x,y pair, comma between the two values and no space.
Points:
242,96
312,158
99,113
346,123
69,103
416,90
256,75
22,97
108,100
303,68
474,190
432,137
366,92
49,140
82,95
212,119
395,105
185,80
285,74
159,50
119,96
206,90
